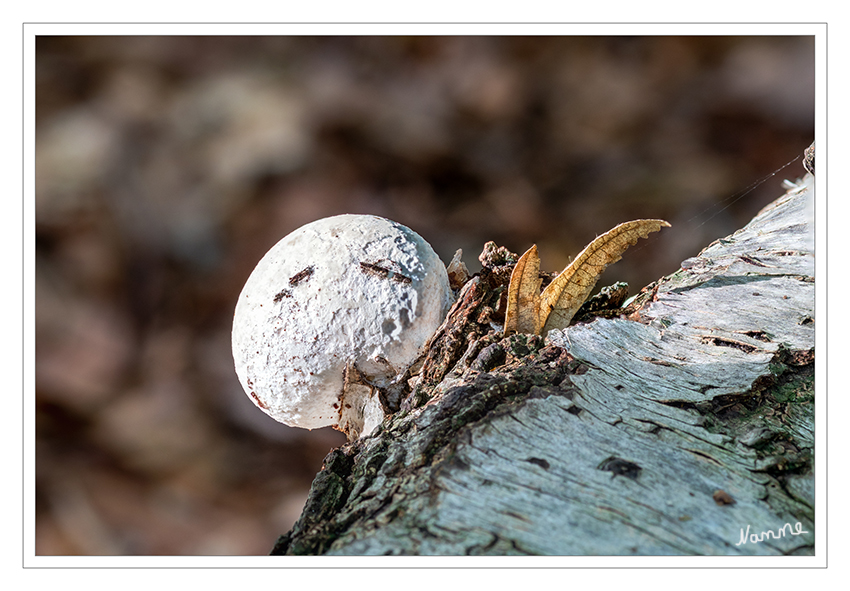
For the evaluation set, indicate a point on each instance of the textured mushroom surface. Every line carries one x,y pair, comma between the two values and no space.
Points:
354,291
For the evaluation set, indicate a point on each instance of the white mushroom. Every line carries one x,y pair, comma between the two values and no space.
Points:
336,309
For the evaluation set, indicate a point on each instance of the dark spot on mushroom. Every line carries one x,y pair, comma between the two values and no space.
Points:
574,410
283,293
387,327
301,276
374,270
384,273
259,402
620,467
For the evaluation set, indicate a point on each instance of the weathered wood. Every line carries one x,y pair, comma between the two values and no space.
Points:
666,430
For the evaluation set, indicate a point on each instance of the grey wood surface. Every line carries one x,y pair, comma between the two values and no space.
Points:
667,431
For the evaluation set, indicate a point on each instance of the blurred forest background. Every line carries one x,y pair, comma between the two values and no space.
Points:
167,166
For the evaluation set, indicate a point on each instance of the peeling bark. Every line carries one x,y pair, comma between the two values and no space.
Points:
666,428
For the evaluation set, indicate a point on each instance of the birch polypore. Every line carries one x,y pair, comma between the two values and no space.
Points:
335,310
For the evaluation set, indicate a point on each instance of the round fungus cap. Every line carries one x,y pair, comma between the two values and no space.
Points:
335,310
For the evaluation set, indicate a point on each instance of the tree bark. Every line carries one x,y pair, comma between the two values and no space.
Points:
679,425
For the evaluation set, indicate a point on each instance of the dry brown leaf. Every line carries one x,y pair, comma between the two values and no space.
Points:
568,291
521,314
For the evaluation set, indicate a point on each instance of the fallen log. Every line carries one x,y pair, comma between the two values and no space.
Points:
682,424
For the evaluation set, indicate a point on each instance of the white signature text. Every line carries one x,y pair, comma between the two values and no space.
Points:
767,534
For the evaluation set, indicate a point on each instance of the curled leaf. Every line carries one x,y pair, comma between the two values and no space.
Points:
521,314
564,296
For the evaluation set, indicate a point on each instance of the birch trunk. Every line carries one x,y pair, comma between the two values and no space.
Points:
666,430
